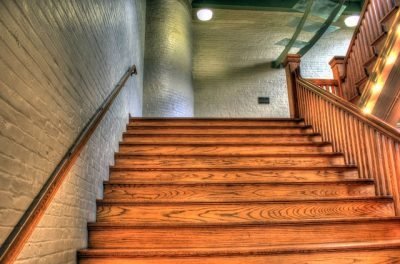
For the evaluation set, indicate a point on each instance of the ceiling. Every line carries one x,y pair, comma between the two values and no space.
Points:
352,6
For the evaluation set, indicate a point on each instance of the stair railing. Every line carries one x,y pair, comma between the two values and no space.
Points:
365,141
363,49
17,239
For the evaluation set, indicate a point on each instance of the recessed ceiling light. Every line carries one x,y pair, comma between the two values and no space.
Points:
352,21
204,14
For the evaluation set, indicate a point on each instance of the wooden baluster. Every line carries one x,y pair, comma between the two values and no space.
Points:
300,101
380,10
367,151
382,169
339,138
326,122
375,18
318,116
345,137
382,185
361,147
332,125
352,147
371,140
355,59
387,167
395,161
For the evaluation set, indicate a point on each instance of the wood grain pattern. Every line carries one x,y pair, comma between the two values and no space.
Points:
137,130
235,194
276,160
383,256
226,138
240,236
281,174
224,122
203,192
240,212
221,149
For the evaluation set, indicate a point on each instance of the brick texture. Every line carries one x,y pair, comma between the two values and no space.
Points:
232,62
58,62
168,89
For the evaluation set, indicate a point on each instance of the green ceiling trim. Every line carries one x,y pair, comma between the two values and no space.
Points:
278,62
322,30
352,6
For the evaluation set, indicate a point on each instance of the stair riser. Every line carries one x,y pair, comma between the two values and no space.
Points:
240,213
220,150
211,131
250,192
231,237
385,256
215,140
222,123
229,176
227,162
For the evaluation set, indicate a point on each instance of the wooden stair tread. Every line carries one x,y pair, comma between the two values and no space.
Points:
117,235
385,199
162,135
395,244
223,149
212,130
236,191
229,161
241,211
214,121
264,174
265,224
256,191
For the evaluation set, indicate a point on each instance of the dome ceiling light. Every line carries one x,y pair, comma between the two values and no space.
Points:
204,14
352,21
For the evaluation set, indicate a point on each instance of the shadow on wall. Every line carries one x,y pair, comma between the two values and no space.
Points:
233,92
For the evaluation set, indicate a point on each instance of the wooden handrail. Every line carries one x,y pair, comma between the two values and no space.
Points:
352,109
22,231
330,85
361,53
369,143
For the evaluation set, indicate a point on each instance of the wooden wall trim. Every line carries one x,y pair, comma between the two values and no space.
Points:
15,242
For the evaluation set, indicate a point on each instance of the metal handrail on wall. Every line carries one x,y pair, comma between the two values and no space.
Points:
15,242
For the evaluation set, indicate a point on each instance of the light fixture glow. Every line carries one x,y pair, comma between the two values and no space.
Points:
391,59
367,110
377,87
352,21
204,14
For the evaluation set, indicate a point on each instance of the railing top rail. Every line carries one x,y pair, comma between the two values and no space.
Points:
356,30
371,120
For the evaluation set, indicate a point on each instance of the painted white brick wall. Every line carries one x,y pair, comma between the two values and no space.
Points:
58,62
232,56
315,63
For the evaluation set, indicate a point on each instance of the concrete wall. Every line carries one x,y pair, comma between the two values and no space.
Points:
58,62
168,89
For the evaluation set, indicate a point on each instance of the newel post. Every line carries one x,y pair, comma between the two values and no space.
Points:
338,70
292,68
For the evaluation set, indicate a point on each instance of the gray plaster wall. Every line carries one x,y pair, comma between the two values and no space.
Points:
58,62
168,89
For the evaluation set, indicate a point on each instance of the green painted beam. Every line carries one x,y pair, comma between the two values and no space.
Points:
278,62
322,30
352,6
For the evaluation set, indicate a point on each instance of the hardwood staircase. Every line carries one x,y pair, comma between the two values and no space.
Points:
236,191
